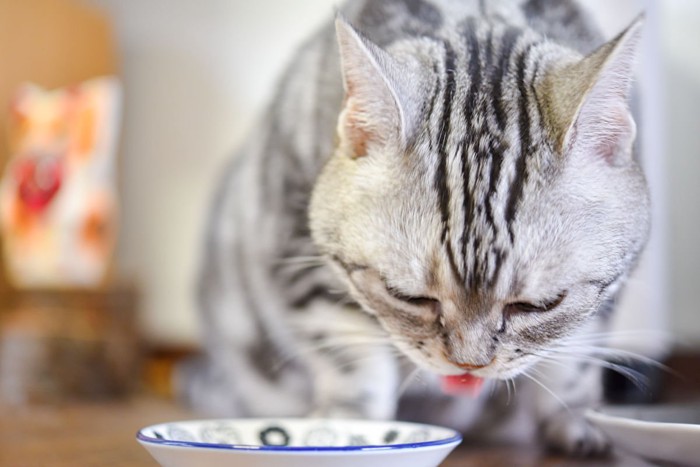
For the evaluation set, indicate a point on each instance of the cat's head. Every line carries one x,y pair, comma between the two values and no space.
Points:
483,201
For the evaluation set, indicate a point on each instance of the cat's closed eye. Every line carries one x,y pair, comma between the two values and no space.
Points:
526,307
419,301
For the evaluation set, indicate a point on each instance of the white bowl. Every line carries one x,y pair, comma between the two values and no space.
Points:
664,433
297,443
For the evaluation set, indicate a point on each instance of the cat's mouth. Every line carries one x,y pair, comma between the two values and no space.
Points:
466,379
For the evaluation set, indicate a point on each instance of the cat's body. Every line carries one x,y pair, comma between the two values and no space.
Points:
454,175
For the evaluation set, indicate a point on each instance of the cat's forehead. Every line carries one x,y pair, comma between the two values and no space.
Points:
481,149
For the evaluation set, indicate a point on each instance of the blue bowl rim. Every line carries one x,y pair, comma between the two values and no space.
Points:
455,438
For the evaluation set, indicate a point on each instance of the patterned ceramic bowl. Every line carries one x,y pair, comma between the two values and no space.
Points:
297,443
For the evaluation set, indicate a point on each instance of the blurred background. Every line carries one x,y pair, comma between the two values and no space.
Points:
192,79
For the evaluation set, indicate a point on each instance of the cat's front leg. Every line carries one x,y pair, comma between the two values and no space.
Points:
353,366
562,423
355,384
565,389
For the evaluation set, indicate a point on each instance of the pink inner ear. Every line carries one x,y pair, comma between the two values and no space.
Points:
355,129
604,129
614,134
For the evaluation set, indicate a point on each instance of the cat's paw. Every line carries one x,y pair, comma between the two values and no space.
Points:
570,433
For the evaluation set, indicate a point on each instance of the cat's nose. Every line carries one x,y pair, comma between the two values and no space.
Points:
471,366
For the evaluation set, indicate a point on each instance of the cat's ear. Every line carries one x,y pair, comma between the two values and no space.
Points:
377,105
588,100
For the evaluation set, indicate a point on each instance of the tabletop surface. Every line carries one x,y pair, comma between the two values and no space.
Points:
103,434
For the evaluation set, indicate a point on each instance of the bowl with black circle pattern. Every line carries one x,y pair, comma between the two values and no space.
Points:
311,442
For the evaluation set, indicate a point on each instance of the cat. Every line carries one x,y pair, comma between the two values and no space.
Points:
438,188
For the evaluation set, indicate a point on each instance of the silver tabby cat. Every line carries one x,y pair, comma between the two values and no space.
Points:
439,187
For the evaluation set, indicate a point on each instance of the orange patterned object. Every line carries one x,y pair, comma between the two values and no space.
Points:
58,206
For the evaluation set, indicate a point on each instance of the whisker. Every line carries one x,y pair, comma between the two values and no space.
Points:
301,259
617,354
509,390
419,379
538,373
346,344
543,386
626,332
634,376
630,338
338,344
292,265
492,388
552,361
349,362
407,382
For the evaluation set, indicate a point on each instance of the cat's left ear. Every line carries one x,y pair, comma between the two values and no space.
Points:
588,100
380,106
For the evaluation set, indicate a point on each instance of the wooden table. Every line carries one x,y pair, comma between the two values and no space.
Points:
103,434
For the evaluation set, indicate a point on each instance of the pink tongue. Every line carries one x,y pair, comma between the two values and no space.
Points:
459,385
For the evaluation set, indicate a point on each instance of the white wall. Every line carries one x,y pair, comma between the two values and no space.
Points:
681,65
198,73
196,76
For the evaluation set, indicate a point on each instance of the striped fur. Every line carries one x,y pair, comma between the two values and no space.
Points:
426,167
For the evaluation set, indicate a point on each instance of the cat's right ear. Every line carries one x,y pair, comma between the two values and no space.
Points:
377,105
588,100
